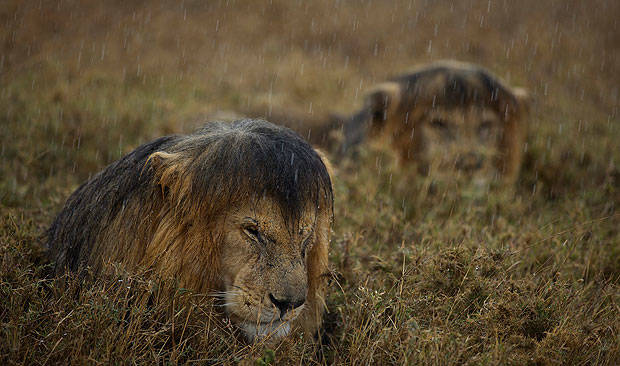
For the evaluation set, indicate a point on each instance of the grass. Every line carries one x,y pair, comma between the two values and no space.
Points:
524,277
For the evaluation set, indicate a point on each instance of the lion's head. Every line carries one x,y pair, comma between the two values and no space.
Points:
241,209
448,118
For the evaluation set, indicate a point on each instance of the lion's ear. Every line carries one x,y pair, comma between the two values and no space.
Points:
512,103
514,134
166,169
159,159
382,101
326,162
524,100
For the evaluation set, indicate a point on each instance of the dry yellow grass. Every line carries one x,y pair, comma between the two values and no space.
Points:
419,278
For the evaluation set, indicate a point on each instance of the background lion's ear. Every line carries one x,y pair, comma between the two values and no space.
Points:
512,103
524,99
383,100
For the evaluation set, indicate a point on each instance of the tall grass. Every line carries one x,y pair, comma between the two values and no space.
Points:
418,276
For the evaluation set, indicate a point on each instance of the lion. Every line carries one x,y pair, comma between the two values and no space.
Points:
445,118
241,209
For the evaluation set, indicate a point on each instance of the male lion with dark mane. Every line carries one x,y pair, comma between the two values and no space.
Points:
243,209
448,118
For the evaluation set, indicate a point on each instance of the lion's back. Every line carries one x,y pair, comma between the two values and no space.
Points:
95,203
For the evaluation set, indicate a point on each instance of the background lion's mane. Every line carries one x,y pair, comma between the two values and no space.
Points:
450,84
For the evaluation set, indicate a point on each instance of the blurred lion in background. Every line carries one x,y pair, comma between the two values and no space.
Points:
243,209
449,119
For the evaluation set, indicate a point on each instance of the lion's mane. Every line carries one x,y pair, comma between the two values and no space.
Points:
158,206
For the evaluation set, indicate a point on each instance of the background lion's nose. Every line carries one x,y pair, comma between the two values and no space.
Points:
469,162
286,304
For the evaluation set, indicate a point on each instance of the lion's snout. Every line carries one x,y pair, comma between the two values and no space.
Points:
291,291
469,162
287,304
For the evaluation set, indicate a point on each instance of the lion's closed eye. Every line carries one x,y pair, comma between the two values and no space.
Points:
250,229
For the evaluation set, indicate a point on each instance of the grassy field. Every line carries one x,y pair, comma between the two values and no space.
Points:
524,277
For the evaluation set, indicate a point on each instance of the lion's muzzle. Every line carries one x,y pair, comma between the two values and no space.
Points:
287,304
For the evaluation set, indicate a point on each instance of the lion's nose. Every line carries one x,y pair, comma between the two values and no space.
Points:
469,162
286,304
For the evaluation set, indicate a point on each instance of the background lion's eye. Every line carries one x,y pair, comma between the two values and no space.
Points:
442,126
484,129
439,124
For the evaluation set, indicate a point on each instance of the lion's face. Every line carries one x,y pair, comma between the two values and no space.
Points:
459,142
264,268
455,121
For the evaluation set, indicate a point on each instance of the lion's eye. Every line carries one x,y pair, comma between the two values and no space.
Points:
251,230
485,128
443,128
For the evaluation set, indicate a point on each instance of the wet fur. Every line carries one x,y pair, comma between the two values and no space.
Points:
162,206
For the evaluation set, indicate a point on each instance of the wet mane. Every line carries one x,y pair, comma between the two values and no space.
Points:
227,163
455,84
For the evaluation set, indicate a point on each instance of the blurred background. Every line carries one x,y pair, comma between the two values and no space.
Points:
84,82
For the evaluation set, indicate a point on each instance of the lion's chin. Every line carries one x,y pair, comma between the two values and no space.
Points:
259,323
256,332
